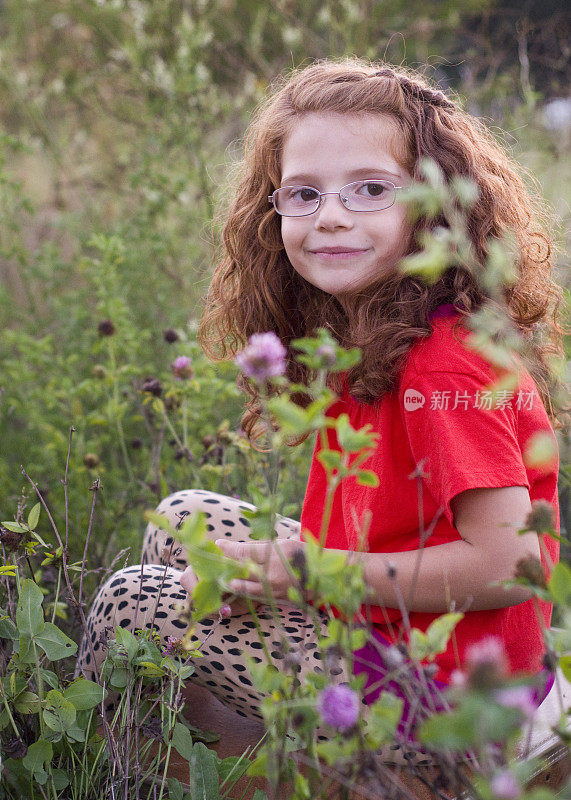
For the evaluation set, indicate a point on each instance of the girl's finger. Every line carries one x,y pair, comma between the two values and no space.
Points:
250,588
255,551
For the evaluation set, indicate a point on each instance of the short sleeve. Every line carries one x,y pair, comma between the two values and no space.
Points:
463,442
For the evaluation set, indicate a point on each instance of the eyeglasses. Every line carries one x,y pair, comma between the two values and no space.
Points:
368,195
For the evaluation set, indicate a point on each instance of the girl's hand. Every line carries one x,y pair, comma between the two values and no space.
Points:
265,553
188,580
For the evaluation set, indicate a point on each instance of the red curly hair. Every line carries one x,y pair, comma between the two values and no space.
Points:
254,287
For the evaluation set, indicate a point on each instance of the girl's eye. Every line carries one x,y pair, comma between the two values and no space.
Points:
305,194
373,189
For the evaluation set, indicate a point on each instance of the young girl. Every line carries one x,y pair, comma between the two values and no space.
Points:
313,239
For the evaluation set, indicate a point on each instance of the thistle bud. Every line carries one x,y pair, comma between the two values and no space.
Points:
99,372
106,328
91,460
152,386
531,570
171,336
540,518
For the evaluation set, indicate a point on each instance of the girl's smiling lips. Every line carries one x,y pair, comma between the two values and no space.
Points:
338,252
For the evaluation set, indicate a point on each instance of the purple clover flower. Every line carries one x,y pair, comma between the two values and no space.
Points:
338,706
172,647
505,785
182,367
263,358
519,697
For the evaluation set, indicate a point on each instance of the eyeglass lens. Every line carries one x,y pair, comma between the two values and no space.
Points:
298,201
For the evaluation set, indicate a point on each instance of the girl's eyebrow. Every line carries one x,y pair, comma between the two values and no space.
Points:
367,172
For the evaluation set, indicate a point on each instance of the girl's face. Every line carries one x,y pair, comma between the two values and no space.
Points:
336,249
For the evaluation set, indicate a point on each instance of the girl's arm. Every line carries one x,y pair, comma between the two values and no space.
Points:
461,572
458,572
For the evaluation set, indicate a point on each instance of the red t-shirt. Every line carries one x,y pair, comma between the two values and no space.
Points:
441,416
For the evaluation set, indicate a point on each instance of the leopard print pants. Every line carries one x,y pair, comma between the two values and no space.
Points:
148,596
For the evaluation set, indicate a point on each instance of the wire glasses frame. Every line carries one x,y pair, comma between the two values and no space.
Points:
289,201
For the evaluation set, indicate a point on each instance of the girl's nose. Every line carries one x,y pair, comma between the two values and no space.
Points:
332,214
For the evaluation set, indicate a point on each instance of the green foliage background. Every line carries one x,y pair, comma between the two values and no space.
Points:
119,122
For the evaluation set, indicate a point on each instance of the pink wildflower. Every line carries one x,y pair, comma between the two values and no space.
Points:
505,785
519,697
486,663
338,706
263,358
225,611
182,367
458,679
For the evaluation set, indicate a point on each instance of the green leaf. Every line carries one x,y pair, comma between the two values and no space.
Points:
232,768
181,740
27,703
193,531
29,614
331,459
565,664
260,795
438,632
34,516
560,583
26,651
384,716
351,440
7,629
15,527
204,771
259,766
291,418
75,733
418,644
61,779
84,694
50,678
206,597
366,477
149,669
358,639
55,644
59,713
38,754
127,641
175,789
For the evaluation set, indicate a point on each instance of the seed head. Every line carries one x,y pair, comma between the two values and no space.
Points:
486,662
106,328
540,519
530,568
225,611
171,336
99,372
152,386
91,460
263,358
326,353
